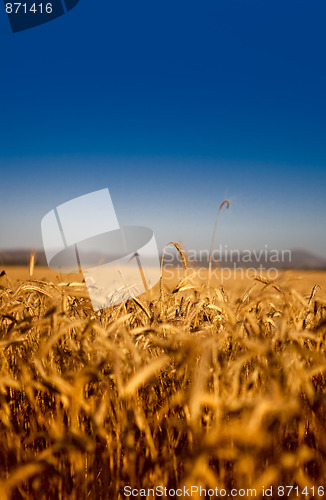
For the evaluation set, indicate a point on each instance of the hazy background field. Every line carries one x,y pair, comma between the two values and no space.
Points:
237,282
187,385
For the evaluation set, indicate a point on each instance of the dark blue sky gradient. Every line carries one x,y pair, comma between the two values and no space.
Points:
174,106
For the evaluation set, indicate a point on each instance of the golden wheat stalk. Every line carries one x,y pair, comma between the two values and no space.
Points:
227,203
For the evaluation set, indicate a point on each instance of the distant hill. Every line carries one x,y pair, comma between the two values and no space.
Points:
306,260
288,259
294,259
21,258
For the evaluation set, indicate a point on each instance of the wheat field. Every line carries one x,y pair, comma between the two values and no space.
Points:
219,387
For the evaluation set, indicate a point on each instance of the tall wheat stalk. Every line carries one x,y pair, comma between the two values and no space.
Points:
227,203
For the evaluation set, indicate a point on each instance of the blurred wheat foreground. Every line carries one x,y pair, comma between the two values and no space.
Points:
219,387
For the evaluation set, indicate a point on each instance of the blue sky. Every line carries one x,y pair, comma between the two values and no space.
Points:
174,106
